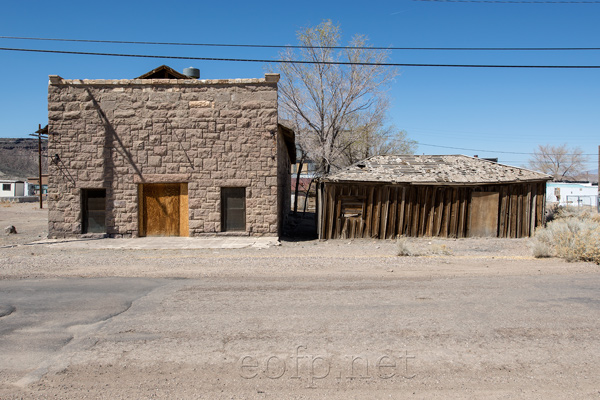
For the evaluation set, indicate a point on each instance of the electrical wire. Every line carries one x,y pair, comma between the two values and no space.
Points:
512,2
269,46
503,152
302,61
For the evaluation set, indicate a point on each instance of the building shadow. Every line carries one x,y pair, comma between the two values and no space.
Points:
300,227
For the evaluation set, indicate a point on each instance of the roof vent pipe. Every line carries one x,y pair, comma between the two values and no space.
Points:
192,72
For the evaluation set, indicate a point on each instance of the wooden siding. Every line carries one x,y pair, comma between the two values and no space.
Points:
386,211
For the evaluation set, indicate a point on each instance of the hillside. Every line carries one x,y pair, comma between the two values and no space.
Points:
19,158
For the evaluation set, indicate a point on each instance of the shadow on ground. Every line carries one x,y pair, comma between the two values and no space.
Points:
300,227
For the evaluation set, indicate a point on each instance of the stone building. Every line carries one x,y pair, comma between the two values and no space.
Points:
167,154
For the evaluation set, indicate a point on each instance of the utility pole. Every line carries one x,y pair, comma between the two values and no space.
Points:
39,133
598,197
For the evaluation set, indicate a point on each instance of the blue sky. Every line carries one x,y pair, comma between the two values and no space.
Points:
497,110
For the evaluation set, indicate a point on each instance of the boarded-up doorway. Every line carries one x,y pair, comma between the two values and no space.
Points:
484,214
163,209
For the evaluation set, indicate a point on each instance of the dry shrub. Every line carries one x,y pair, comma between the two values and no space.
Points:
420,248
440,249
541,249
574,235
405,248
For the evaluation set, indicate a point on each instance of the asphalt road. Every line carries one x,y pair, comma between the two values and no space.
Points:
42,320
466,337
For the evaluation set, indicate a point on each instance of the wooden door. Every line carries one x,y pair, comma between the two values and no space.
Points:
484,214
160,209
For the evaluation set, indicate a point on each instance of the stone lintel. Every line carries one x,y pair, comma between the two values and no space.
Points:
161,178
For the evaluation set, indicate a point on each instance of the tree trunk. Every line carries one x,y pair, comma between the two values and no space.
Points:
307,196
300,164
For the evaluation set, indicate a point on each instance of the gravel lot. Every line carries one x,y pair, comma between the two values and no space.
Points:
481,317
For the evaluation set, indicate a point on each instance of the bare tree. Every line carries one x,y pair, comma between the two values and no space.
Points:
336,109
562,162
366,141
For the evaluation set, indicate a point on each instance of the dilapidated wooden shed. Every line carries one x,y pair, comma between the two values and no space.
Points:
427,195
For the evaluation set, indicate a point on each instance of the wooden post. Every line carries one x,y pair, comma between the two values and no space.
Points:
40,164
39,134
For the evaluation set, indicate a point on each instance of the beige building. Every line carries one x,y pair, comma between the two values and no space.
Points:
167,154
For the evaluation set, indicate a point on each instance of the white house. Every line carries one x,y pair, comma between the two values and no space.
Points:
12,188
572,194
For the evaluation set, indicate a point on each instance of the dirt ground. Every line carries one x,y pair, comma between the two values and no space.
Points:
482,317
348,259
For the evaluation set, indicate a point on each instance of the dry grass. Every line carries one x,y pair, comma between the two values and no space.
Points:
573,235
417,247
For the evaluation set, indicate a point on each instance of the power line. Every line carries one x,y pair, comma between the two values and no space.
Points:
302,61
503,152
512,2
269,46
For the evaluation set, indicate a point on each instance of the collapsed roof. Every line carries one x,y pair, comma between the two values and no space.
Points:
433,169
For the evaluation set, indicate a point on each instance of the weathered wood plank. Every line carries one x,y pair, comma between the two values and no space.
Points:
527,216
393,205
338,210
362,192
541,206
385,203
461,230
502,212
439,210
408,215
446,216
401,212
319,210
513,213
430,212
414,229
423,210
369,212
331,211
469,207
453,213
376,211
519,213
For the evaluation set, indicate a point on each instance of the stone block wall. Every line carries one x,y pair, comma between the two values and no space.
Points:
118,134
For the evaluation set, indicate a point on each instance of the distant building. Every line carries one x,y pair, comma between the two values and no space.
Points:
10,188
572,194
33,185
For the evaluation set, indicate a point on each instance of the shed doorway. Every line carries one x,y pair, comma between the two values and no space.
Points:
484,214
163,209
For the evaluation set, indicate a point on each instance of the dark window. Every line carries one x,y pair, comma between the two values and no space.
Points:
93,210
6,186
233,209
